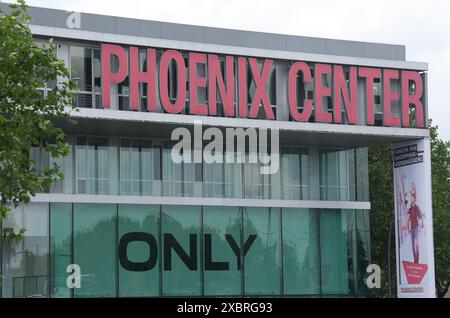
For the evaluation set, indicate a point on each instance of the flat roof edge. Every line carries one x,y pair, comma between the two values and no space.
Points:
213,35
83,35
180,119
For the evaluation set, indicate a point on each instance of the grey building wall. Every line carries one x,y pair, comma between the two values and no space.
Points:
200,34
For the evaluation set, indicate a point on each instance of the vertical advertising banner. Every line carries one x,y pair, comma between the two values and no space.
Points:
413,219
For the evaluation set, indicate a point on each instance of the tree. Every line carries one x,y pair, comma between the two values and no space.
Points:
26,114
381,197
440,176
382,212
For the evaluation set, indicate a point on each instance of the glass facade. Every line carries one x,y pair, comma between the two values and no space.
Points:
265,252
85,63
61,248
144,167
145,250
143,219
336,170
222,234
142,250
300,252
181,245
95,248
96,166
25,264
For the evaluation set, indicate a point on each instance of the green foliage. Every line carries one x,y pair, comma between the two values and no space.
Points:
381,197
9,234
440,163
382,213
25,114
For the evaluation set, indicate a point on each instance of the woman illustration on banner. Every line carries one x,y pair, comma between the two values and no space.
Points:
402,208
412,222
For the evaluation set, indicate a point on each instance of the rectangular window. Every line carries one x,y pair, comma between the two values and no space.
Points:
336,251
262,264
233,177
272,90
334,175
300,252
81,63
221,228
181,229
95,249
191,187
362,251
253,180
172,174
85,63
96,166
213,180
139,168
141,219
143,87
61,248
25,265
172,81
294,166
377,92
42,160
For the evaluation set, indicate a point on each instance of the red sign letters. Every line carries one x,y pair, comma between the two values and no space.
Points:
342,90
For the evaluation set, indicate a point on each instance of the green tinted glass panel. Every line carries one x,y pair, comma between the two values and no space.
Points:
300,259
95,249
61,247
335,246
181,225
139,218
363,257
222,276
262,262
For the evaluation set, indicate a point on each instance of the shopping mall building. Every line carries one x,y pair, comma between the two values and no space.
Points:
137,223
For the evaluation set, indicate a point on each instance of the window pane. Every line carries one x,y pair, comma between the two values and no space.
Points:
294,171
233,176
65,165
189,185
172,174
363,256
130,170
96,164
81,62
181,234
95,249
264,253
61,247
334,175
222,274
213,180
253,180
97,69
301,267
336,250
25,265
139,218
